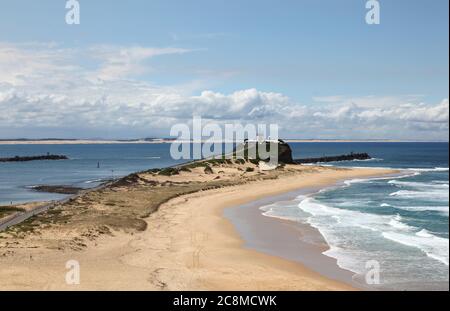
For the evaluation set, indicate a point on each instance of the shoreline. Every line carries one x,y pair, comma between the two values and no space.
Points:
188,244
286,238
289,240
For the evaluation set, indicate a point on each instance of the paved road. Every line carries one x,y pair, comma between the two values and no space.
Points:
19,217
22,216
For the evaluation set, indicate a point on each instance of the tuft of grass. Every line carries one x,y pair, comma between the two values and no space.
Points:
240,161
170,171
185,169
208,170
153,171
195,165
254,161
8,210
11,209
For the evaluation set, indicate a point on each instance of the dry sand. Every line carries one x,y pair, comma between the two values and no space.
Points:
187,244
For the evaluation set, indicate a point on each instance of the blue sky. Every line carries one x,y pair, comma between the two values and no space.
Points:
309,51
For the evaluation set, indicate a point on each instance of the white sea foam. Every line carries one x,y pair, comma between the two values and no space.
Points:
441,209
95,181
318,164
424,233
436,169
440,182
435,247
282,210
414,171
336,225
355,236
420,185
424,195
368,180
369,221
434,191
368,160
396,223
274,214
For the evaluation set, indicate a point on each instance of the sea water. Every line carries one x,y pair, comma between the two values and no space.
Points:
400,222
88,166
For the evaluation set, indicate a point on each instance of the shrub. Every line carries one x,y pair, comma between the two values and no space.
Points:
169,171
240,161
208,170
154,170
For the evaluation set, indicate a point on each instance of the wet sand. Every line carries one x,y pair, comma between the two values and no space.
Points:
292,240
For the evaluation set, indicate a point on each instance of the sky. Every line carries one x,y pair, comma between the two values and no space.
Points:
135,68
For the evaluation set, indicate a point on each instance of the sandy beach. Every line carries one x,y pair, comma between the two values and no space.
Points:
185,243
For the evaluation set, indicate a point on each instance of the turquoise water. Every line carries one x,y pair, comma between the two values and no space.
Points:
400,222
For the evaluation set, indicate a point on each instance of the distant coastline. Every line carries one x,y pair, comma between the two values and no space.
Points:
54,141
80,141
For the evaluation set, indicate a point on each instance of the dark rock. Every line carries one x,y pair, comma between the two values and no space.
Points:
348,157
57,189
284,151
34,158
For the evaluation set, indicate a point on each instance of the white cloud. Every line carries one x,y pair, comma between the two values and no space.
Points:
47,87
19,65
121,62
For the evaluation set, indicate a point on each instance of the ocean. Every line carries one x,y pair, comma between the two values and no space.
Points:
401,222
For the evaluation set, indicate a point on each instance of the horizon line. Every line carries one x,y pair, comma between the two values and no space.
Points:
168,139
